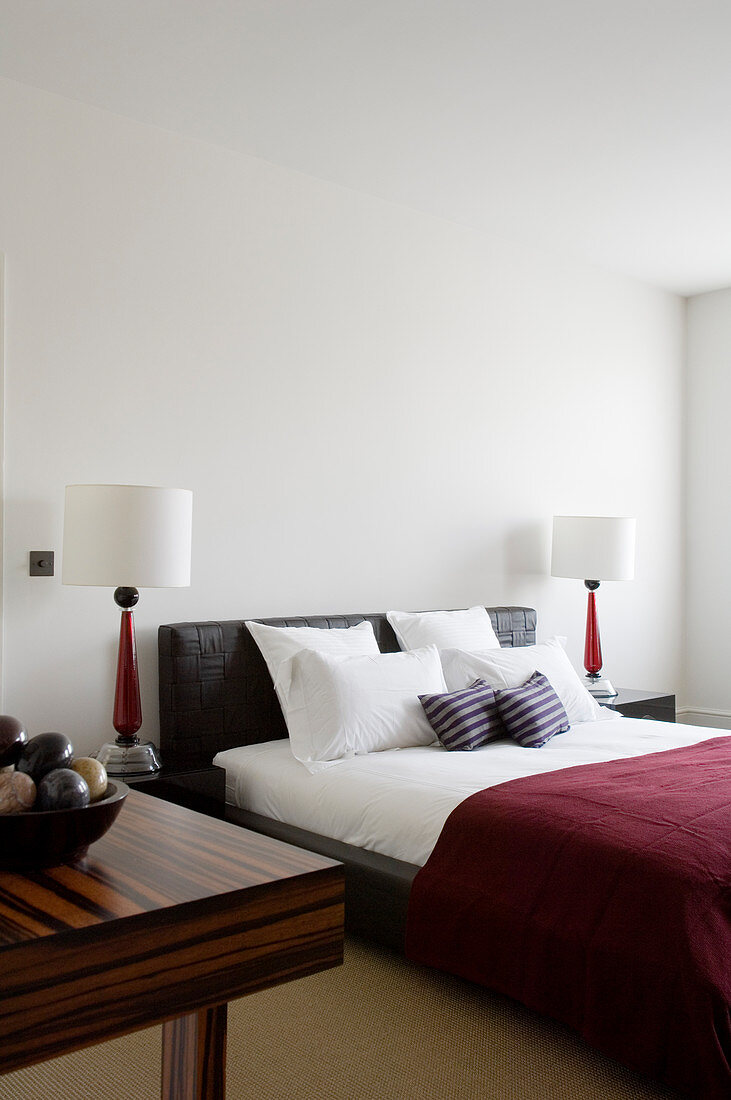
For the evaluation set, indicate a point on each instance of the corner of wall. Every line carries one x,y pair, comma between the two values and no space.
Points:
2,474
684,479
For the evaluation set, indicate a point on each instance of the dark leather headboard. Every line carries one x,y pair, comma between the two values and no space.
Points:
216,692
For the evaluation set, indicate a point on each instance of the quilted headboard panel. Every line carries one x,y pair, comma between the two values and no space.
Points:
216,691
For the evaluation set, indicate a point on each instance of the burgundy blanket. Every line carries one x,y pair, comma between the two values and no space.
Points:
599,895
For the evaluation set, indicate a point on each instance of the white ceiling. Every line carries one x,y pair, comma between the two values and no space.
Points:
599,128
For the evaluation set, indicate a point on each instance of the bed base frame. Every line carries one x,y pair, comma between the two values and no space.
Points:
216,693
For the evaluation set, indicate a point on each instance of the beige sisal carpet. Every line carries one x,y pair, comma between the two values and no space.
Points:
374,1029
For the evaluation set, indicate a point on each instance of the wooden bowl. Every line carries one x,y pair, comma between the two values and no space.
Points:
47,838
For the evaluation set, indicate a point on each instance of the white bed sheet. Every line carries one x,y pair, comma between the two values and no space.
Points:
396,802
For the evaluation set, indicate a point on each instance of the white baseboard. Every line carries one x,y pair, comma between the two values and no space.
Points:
700,716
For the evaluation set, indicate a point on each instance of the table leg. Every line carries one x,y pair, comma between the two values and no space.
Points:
194,1056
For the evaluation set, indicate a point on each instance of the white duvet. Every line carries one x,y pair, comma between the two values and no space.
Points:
396,802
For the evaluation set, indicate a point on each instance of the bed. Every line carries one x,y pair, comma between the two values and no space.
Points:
217,700
216,694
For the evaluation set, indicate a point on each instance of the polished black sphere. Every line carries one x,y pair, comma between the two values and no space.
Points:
126,598
12,738
43,753
62,789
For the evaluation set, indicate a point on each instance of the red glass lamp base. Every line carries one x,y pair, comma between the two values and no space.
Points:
127,755
127,703
598,685
592,645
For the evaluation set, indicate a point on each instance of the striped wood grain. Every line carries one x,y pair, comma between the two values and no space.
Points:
169,913
194,1056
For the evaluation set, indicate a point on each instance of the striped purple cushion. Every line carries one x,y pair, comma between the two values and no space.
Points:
465,719
532,714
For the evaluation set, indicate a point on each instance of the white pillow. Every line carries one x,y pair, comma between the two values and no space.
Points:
470,630
512,667
342,706
279,643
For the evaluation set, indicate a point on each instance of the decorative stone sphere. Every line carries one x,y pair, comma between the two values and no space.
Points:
62,789
43,753
17,792
95,774
12,738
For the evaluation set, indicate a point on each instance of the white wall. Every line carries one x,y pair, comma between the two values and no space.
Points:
373,408
2,460
707,695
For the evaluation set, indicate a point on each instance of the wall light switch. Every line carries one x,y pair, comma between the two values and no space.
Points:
41,563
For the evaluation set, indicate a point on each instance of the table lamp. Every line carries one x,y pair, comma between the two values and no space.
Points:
127,537
594,549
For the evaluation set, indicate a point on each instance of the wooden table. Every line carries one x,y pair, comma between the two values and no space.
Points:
168,917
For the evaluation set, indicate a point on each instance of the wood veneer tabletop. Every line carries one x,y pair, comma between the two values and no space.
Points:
168,917
155,855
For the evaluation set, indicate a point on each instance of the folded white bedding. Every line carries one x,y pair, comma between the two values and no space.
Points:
396,802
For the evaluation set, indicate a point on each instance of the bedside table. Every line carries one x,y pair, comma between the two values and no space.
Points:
642,704
202,789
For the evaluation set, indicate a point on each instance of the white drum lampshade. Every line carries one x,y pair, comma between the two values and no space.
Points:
127,537
599,548
135,536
